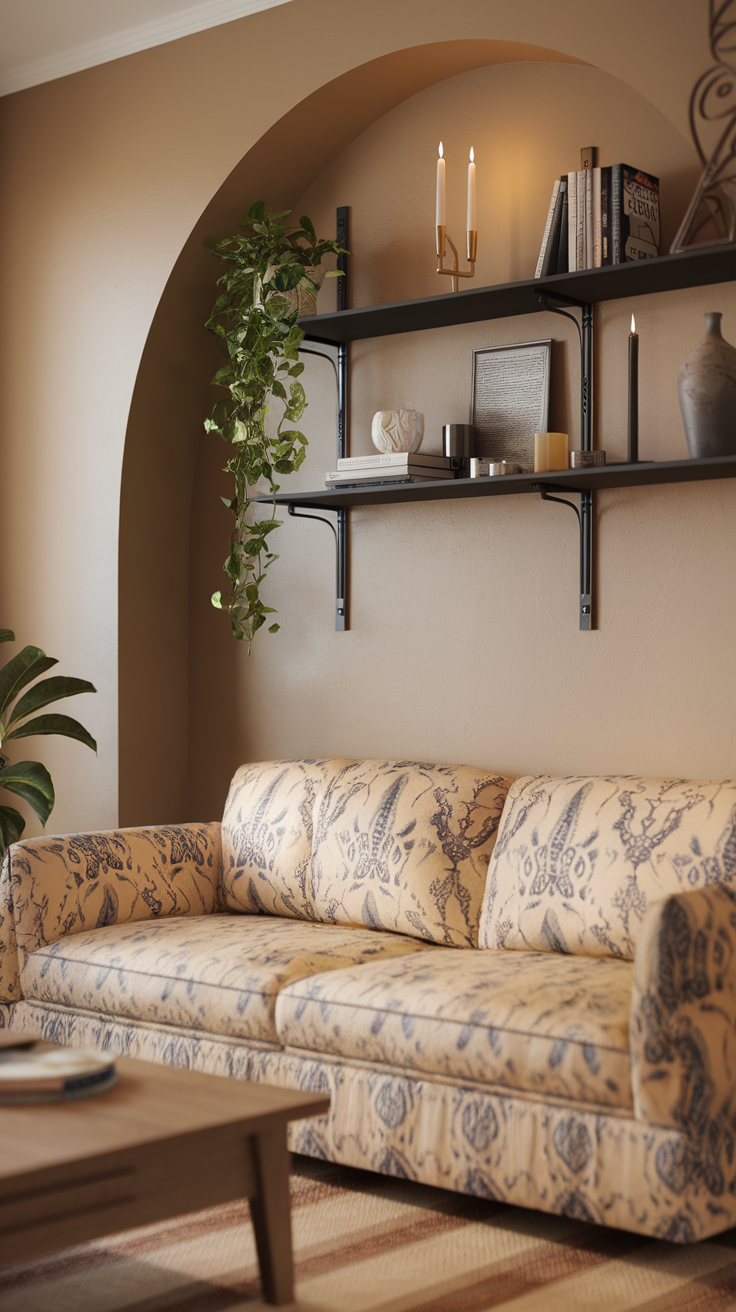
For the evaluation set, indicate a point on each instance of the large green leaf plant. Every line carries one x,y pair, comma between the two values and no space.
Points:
254,320
29,779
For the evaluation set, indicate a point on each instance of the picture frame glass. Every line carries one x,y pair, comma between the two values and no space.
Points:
510,401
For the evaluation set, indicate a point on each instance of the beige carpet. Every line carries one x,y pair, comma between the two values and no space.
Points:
364,1243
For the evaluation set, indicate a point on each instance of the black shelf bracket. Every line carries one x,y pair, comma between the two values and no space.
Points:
585,525
338,532
340,527
585,336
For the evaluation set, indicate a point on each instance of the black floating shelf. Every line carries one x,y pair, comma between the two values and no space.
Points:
471,305
643,474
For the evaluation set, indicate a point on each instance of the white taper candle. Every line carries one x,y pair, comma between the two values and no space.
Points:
472,223
441,218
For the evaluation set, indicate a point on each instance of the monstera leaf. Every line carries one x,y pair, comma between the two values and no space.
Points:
30,780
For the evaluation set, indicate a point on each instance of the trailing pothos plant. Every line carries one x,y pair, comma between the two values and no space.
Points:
254,320
29,779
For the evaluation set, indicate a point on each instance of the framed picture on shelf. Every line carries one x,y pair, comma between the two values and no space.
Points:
510,400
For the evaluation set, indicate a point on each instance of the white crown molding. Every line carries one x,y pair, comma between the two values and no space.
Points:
197,18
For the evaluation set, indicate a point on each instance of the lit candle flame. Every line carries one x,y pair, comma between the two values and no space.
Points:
472,155
441,151
633,325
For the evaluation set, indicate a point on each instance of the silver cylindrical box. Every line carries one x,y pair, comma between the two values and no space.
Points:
457,442
587,459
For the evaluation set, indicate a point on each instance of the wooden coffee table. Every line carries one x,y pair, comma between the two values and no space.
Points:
163,1142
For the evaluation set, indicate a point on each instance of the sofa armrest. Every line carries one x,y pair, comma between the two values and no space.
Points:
53,887
683,1015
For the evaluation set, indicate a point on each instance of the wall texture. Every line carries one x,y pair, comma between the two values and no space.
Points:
112,177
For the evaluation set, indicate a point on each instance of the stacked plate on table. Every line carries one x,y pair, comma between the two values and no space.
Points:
32,1070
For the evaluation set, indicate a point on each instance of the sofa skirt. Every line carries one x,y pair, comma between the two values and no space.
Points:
557,1156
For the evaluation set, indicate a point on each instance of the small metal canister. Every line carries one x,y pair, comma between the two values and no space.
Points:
457,443
492,468
587,459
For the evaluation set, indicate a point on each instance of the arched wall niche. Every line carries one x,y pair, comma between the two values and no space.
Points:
170,401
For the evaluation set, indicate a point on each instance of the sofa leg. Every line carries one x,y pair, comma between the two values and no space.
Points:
272,1215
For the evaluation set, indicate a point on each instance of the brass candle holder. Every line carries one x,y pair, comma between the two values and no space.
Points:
456,272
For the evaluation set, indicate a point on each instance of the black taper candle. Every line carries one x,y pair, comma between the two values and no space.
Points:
633,394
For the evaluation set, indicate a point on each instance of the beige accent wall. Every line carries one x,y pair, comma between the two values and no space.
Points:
464,642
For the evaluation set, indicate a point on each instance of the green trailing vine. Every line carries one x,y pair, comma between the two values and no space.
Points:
254,320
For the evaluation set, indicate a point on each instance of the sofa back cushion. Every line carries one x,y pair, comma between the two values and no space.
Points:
267,837
578,860
397,845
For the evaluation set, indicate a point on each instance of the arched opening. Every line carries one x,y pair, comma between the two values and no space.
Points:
169,403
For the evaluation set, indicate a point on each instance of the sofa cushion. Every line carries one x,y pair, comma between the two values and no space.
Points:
579,860
220,973
396,845
405,845
267,837
524,1020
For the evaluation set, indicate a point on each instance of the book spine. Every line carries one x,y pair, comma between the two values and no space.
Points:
377,481
563,257
549,264
589,252
616,214
572,221
393,459
580,240
597,225
605,216
547,229
365,475
639,214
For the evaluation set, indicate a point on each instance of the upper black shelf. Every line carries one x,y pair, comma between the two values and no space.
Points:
562,480
471,305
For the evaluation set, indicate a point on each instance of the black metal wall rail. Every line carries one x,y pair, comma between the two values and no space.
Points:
558,295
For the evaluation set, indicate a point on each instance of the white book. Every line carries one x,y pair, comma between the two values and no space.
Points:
547,229
580,240
572,221
393,459
597,229
378,478
368,475
589,253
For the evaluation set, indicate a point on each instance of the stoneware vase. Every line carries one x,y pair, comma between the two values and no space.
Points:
707,390
397,430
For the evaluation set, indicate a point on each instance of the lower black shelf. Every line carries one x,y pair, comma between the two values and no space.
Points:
644,474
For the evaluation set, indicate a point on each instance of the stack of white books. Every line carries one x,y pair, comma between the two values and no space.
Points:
395,467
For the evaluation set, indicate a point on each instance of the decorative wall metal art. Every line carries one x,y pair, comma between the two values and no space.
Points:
710,219
510,400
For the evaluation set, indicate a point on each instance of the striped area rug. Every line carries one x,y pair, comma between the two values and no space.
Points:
364,1243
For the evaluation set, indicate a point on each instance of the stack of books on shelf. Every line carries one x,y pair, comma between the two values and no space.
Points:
394,467
600,216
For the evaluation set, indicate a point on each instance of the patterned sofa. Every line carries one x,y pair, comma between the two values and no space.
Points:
524,991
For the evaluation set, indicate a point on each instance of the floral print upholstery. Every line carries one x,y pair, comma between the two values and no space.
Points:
9,969
220,973
579,860
267,831
557,1156
504,1074
397,845
683,1028
523,1021
54,887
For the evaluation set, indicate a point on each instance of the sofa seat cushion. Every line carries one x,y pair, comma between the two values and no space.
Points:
399,845
220,973
524,1020
578,860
